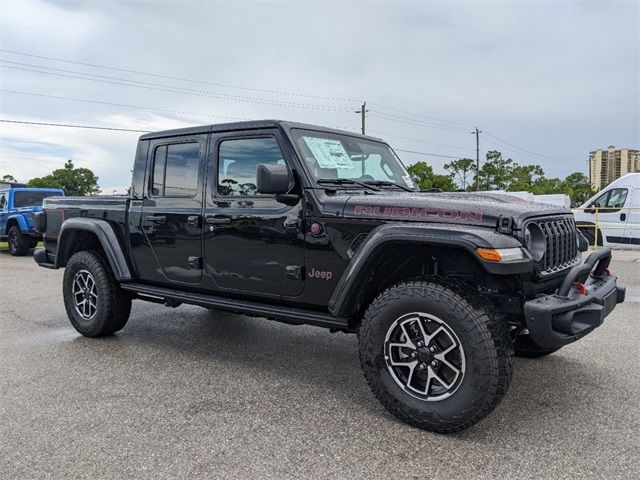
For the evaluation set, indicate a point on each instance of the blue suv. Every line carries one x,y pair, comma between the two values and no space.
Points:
17,206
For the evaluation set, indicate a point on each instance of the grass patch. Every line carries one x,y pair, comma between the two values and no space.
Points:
5,245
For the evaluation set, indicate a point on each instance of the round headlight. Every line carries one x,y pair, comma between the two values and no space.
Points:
535,241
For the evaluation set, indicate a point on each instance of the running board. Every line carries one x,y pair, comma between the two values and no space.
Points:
297,316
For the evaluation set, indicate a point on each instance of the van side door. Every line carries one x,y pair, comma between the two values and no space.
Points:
632,227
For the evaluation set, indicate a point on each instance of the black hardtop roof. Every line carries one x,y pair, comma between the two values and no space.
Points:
248,125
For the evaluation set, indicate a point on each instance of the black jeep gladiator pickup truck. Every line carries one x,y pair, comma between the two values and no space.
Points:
309,225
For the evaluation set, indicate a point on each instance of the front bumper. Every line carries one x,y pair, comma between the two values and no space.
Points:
569,314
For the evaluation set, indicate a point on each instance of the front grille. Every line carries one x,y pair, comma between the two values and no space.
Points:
561,249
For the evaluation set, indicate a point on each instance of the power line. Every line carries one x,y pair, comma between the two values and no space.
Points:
529,154
522,149
183,91
420,115
66,125
169,77
95,127
423,153
409,121
137,107
421,141
223,96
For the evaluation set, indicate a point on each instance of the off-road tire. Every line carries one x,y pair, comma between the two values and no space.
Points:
524,346
18,244
482,332
113,303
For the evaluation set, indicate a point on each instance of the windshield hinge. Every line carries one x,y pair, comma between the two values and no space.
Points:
505,225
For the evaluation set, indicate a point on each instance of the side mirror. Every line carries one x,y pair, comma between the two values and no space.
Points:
273,178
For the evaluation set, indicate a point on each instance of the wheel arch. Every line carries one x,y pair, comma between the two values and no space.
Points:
78,234
397,252
19,221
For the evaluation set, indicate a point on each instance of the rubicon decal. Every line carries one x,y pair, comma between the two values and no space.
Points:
322,274
422,213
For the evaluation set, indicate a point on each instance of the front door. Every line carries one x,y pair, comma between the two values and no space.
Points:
252,243
171,219
609,212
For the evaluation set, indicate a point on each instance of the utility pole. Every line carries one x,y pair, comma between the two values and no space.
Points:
363,112
477,134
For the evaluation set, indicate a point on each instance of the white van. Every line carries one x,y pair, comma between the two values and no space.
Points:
616,210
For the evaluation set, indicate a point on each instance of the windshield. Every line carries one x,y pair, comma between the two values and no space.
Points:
31,199
331,156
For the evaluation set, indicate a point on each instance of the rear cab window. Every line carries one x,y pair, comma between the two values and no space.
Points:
175,170
31,199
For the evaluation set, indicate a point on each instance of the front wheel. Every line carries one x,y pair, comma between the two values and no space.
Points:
433,357
95,303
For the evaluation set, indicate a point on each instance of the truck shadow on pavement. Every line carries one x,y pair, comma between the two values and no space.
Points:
545,393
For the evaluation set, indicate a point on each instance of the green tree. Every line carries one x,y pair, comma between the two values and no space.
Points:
497,172
461,170
74,181
578,187
525,177
8,178
426,179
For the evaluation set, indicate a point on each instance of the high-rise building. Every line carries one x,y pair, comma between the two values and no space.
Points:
605,166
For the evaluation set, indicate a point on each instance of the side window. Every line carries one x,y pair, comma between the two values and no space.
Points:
238,160
2,201
175,170
617,198
601,201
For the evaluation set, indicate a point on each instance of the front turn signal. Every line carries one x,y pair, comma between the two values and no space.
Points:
502,255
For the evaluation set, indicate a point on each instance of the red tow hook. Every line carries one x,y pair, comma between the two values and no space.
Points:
607,272
582,288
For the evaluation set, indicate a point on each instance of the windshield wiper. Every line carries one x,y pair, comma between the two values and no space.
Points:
348,181
386,183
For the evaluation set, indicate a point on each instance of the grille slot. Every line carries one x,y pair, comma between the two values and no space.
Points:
561,250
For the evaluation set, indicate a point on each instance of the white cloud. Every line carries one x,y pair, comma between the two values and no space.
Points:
557,78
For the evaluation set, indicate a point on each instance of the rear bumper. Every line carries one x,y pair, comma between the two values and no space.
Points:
568,315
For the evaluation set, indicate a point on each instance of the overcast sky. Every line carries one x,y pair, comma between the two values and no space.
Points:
553,79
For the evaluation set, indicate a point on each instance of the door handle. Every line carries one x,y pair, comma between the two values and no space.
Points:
623,217
217,220
194,221
156,219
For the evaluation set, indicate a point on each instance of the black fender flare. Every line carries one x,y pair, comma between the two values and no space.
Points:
466,238
107,238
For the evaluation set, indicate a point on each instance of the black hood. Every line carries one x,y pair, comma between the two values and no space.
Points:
461,208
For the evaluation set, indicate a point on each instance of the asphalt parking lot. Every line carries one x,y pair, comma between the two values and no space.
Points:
185,393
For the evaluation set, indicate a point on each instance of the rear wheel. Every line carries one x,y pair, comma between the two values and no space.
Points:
433,357
524,346
18,244
95,303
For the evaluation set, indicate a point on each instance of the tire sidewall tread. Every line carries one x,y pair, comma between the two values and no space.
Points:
482,332
114,304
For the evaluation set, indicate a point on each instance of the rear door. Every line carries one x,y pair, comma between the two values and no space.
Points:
171,217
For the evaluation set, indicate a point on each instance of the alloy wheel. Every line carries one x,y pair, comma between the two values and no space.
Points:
85,294
424,356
